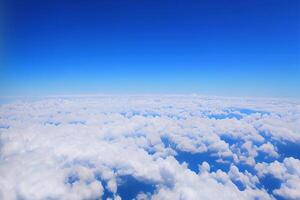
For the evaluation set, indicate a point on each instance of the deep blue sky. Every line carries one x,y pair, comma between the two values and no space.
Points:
241,48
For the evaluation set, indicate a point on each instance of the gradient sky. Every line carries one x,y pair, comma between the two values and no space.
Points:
224,47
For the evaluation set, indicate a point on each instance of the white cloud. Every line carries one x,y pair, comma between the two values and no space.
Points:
269,149
76,148
288,172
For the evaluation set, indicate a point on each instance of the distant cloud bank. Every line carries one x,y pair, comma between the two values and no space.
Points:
150,147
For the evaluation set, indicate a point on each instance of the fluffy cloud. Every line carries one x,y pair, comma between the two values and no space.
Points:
82,147
288,172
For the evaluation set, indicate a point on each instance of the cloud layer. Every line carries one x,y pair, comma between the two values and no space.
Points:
175,146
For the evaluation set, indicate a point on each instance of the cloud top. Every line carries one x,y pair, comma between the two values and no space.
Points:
83,147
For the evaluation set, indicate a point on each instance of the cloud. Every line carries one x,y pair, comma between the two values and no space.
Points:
269,149
288,172
78,148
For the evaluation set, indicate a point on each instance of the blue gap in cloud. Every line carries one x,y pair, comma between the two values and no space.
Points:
230,115
261,157
239,185
129,114
167,142
176,117
147,113
270,183
284,148
3,126
238,142
288,149
52,123
225,116
150,113
72,178
129,187
63,112
106,192
77,122
243,167
231,140
194,159
150,150
248,111
264,157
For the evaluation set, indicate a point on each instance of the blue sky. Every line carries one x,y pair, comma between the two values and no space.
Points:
240,48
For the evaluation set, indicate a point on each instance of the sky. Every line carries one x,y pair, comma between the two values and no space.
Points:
218,47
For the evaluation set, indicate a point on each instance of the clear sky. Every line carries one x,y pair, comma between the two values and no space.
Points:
218,47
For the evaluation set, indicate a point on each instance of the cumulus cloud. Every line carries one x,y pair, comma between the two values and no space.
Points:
82,147
288,172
